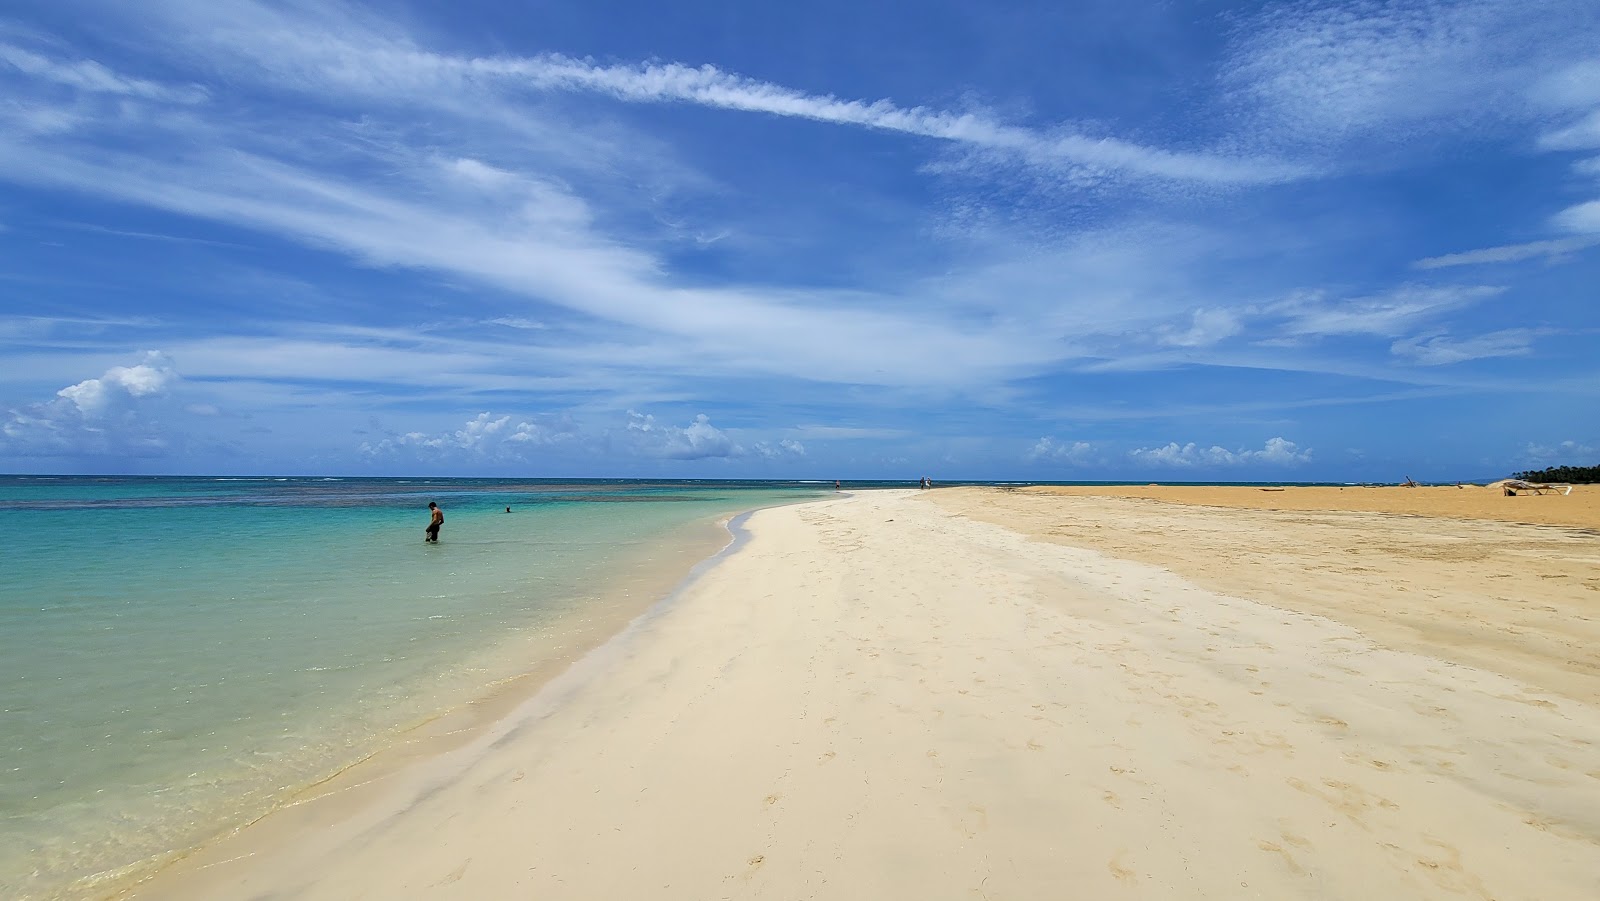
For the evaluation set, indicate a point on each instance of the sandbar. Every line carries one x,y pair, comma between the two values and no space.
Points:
974,693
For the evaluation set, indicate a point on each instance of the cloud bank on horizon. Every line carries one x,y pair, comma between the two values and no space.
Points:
1287,241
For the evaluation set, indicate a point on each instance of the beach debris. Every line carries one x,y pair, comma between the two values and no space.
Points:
1513,486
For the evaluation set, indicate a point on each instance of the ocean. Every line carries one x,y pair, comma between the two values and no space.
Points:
180,655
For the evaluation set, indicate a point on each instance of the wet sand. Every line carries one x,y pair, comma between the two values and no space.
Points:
975,693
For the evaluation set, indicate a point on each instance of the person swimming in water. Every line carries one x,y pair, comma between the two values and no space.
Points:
434,522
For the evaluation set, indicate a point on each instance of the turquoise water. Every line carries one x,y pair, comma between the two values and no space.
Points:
179,654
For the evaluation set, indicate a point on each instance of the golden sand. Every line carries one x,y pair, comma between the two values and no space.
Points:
1581,508
1509,584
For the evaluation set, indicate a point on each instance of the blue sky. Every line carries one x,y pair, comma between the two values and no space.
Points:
1163,241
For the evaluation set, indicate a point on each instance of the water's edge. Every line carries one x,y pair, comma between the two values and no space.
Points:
504,707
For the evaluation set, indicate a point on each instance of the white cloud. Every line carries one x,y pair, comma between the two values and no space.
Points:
1076,453
519,322
91,76
555,257
490,437
337,50
1191,454
1206,327
1566,453
1552,251
484,437
696,441
786,447
96,397
506,221
1386,315
1584,134
1325,71
98,416
1280,451
707,85
1576,89
1583,218
1438,350
1276,451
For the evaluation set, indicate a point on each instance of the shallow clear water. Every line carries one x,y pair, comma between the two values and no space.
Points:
176,654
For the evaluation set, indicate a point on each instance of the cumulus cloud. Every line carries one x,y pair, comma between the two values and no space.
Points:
696,441
484,437
1075,453
490,437
1276,451
93,417
787,447
96,397
1569,453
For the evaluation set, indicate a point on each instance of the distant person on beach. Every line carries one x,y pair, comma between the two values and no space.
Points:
835,484
508,509
435,521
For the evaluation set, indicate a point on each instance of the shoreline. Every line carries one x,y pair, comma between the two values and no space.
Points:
642,584
887,695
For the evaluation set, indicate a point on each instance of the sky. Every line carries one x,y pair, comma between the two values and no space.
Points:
1110,239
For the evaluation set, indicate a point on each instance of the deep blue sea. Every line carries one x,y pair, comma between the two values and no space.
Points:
178,655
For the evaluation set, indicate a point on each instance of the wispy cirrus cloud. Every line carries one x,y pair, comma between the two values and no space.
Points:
1392,77
352,54
1440,350
1554,250
709,86
1388,314
1310,315
1583,218
89,75
1332,71
531,237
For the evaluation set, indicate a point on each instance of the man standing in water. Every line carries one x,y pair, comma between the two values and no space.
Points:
434,522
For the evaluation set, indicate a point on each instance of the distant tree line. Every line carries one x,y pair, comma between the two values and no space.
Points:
1577,475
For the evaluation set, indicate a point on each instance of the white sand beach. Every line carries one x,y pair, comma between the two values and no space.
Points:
983,694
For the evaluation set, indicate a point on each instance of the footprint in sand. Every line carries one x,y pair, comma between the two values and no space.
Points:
1288,859
1120,871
